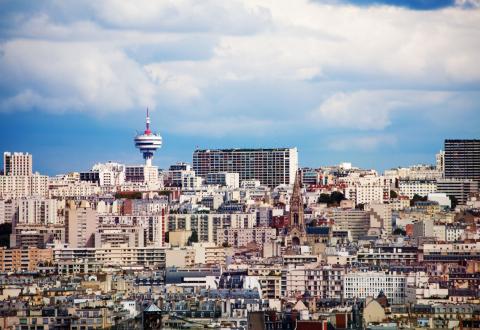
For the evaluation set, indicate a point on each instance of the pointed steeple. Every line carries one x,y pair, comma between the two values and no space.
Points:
296,204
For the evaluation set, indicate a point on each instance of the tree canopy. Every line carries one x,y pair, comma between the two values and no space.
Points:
334,198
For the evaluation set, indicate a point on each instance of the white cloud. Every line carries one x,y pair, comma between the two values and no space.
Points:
86,64
183,15
95,77
468,3
372,110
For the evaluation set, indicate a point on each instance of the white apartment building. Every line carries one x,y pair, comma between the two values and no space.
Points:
174,174
37,210
80,224
207,225
8,211
239,237
180,257
366,190
453,233
423,228
322,282
361,285
440,162
3,218
13,187
441,199
151,257
64,187
18,180
143,175
145,206
417,187
415,172
152,225
231,180
190,181
119,236
439,233
17,164
105,174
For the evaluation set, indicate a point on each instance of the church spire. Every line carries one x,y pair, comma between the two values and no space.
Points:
296,204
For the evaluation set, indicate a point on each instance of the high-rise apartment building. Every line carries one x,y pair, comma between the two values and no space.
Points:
271,167
462,159
39,211
17,164
80,225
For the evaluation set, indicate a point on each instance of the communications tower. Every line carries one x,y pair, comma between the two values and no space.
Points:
148,142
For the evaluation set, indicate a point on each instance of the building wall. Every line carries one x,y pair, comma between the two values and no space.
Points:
417,187
355,221
17,164
369,284
271,167
462,159
238,237
37,211
80,225
461,189
16,260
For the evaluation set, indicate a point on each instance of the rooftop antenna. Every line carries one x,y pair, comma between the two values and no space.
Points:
147,130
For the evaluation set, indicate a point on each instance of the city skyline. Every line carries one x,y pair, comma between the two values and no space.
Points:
240,164
380,84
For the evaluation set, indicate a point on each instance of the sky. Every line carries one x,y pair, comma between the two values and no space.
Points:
380,84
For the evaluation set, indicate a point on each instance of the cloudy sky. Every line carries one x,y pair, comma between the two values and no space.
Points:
377,83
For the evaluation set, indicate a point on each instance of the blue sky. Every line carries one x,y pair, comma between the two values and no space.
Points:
377,83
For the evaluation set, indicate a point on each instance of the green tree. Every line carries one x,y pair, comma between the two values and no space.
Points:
417,198
454,201
193,238
336,197
393,194
399,231
5,231
167,237
324,198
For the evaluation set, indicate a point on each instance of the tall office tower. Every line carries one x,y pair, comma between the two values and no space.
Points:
80,224
462,159
17,164
271,167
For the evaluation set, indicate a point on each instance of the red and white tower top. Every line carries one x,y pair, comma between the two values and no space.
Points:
148,142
